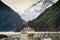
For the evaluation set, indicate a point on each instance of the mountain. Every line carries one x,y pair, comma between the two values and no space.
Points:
41,5
9,19
49,20
37,8
22,27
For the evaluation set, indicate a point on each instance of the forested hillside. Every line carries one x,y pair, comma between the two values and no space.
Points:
9,19
49,20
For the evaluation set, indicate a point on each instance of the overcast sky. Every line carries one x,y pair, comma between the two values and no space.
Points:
20,6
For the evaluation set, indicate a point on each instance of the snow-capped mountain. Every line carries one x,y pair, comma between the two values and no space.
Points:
37,8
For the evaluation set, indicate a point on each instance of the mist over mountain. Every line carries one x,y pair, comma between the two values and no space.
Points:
49,20
9,19
46,21
40,5
44,3
36,9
